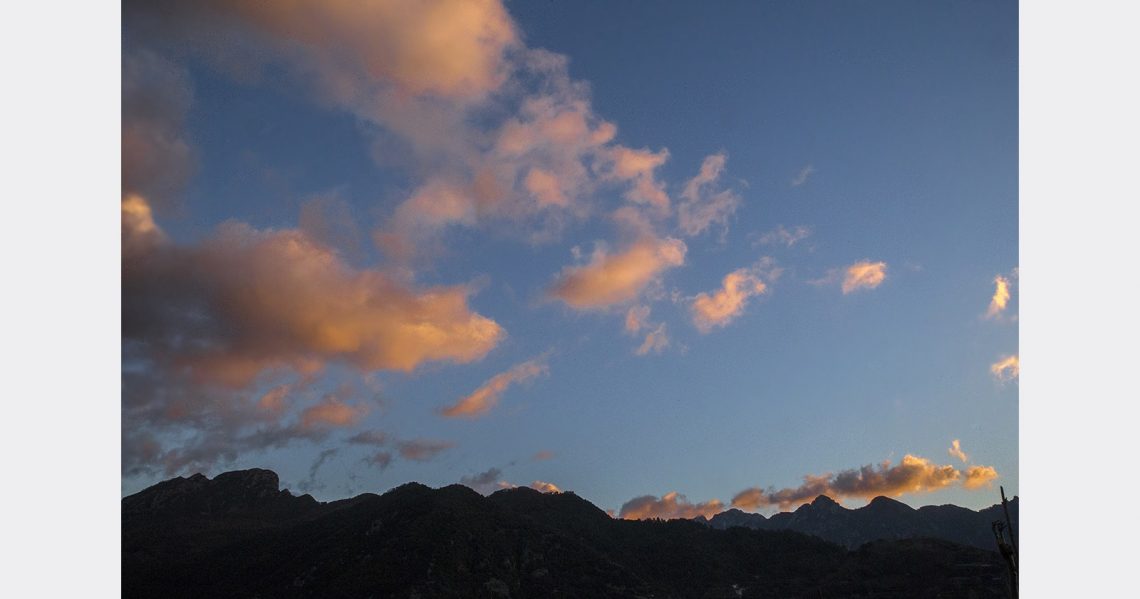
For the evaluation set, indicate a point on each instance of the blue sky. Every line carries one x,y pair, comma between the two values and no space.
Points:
886,130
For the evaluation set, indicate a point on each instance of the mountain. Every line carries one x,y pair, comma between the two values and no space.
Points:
881,519
238,535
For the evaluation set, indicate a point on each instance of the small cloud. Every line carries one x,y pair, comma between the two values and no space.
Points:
422,450
784,236
485,482
332,411
956,451
979,476
727,303
543,455
864,275
636,318
480,401
374,438
703,205
1000,298
380,459
911,475
668,507
655,342
802,176
610,279
1008,368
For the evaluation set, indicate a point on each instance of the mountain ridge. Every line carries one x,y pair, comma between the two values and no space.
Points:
255,539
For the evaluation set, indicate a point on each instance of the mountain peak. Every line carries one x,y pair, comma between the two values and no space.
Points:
824,501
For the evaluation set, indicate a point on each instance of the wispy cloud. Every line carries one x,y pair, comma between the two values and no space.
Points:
784,236
656,341
1007,368
956,451
422,450
864,275
703,203
802,176
487,396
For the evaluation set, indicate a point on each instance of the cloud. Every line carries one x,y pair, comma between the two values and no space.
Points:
668,507
332,411
543,455
717,309
373,438
380,459
310,484
638,166
156,158
1006,369
912,475
485,482
197,309
1000,298
802,176
616,278
979,476
422,450
636,318
452,49
545,487
480,401
864,275
656,341
702,204
783,236
956,451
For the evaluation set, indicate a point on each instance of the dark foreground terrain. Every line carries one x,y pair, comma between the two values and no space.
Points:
237,535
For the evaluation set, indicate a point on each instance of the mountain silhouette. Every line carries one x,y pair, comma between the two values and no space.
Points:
881,519
239,535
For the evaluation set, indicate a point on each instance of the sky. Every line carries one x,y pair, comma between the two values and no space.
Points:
674,258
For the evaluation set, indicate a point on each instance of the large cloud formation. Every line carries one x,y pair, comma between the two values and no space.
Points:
480,401
911,475
670,506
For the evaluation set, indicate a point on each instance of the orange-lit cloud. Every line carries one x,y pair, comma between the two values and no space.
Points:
611,279
543,455
979,476
725,304
802,176
480,401
545,487
702,204
784,236
445,48
638,166
864,275
1000,298
422,450
912,475
332,411
305,306
636,318
670,506
956,451
1007,368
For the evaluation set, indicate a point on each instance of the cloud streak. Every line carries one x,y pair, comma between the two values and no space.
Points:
611,279
487,396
